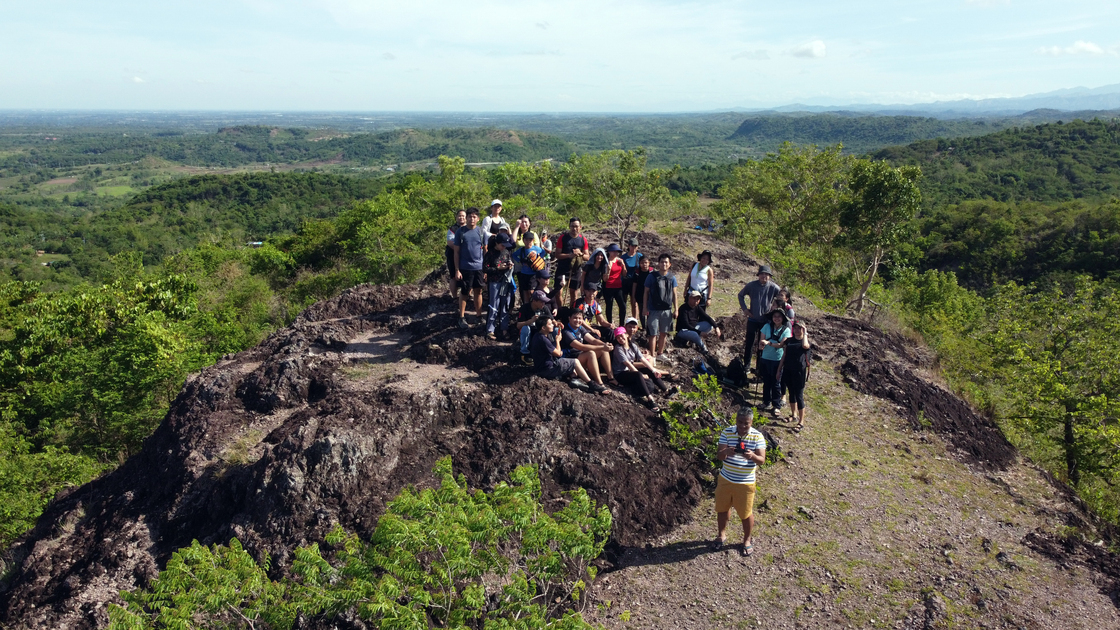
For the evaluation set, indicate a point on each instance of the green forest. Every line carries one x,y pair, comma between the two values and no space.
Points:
139,290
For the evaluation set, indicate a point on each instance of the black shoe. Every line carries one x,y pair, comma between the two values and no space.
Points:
672,391
526,360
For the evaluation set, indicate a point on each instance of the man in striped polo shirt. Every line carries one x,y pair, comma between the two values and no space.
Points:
741,449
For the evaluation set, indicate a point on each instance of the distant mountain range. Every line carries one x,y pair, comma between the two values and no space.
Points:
1079,99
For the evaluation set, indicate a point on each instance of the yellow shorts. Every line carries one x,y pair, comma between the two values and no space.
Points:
737,495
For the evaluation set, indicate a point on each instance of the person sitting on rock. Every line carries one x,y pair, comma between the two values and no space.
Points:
578,343
771,339
794,370
694,325
626,361
549,362
499,276
528,315
741,448
593,313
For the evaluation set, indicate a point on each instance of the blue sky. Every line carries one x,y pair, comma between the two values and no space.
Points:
526,55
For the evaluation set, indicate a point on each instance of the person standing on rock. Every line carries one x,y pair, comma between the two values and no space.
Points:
494,221
741,448
762,293
449,251
527,261
499,277
614,280
794,370
658,305
772,344
572,248
631,258
702,279
470,243
638,288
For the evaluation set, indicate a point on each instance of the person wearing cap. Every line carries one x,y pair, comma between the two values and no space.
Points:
593,313
499,277
613,278
645,363
694,325
470,245
528,260
533,311
631,257
772,344
701,279
627,362
741,448
761,293
494,220
549,362
572,248
794,371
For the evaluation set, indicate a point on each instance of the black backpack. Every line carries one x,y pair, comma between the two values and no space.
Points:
736,374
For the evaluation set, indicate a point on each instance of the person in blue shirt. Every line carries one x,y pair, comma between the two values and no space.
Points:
771,343
630,274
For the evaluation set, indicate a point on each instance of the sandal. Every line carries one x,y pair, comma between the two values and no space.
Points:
746,550
716,545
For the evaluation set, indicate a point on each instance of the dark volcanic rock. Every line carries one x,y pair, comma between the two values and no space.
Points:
322,424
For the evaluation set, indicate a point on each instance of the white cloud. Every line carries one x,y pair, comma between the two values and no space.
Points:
1079,47
757,55
137,80
810,50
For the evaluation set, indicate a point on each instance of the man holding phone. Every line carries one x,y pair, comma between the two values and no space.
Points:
741,449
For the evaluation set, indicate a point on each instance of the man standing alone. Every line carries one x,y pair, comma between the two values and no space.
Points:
762,292
741,449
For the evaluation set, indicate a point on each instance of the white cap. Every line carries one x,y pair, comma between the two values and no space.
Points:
496,202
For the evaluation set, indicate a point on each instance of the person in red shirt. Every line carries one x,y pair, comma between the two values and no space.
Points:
612,283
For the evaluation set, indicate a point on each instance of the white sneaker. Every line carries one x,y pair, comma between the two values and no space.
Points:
664,358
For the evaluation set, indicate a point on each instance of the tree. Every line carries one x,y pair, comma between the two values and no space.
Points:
615,186
1058,355
883,201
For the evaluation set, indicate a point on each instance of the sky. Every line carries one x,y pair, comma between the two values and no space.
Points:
531,56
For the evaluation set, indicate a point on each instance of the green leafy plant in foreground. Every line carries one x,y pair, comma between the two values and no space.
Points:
696,409
444,557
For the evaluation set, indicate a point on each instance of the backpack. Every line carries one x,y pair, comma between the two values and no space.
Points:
533,260
661,293
736,375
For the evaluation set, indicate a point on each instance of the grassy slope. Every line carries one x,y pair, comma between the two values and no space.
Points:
875,547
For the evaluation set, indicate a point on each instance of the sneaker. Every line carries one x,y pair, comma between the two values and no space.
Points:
664,358
597,388
578,384
463,323
527,360
491,336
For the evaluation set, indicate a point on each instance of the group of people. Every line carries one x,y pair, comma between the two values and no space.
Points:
564,332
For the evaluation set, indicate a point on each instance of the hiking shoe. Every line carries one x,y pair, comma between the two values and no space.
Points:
463,323
527,360
578,384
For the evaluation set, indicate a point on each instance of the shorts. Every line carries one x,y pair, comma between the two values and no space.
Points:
561,369
737,495
472,279
658,322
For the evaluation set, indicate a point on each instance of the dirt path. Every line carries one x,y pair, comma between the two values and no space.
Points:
872,521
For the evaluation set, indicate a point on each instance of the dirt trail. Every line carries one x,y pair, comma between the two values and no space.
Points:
915,511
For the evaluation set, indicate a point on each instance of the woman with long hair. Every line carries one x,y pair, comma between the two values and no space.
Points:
794,369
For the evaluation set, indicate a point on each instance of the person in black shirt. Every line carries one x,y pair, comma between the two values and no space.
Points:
794,370
536,310
693,322
638,287
572,249
548,362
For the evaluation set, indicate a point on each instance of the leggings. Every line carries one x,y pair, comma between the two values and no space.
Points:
656,379
639,385
610,296
793,382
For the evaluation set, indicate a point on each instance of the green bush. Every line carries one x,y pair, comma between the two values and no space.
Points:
443,557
